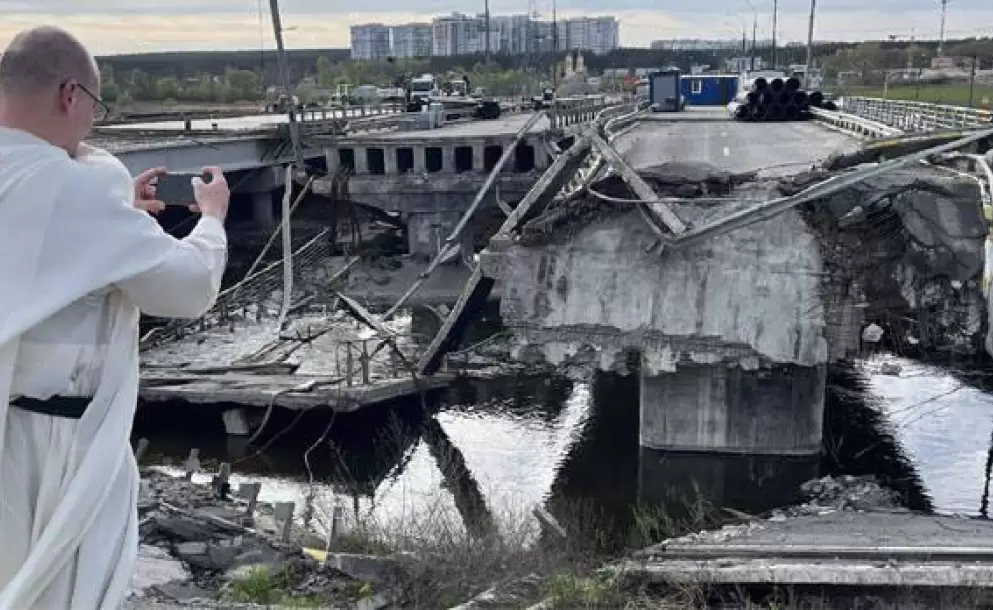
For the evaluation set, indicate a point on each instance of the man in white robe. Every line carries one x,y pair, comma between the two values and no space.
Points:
79,258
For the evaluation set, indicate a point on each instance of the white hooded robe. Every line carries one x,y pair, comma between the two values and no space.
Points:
77,264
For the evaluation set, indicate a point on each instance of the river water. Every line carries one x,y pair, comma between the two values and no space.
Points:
492,450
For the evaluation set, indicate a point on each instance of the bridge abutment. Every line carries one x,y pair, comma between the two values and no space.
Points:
734,335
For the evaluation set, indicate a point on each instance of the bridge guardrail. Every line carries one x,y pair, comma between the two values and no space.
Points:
913,116
570,111
855,125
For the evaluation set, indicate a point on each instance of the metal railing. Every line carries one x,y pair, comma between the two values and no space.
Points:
911,116
354,359
565,112
247,298
858,126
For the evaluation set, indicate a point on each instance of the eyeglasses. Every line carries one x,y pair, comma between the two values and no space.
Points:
100,109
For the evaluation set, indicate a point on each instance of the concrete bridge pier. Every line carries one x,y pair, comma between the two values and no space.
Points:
743,438
263,214
261,189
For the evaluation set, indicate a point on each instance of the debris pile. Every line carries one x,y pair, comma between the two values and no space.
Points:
611,196
846,492
201,545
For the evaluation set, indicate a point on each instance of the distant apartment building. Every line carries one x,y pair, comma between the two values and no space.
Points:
370,41
598,35
514,34
411,40
463,34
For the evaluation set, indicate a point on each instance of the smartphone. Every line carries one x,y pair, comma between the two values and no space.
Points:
177,188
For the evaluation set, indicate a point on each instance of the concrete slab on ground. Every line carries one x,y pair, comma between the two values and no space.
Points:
887,549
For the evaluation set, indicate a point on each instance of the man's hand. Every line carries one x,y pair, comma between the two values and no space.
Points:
212,197
144,191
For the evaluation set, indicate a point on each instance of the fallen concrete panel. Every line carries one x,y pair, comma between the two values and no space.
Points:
288,391
840,548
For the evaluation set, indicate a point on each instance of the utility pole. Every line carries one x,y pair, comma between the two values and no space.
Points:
972,78
941,36
555,47
755,28
810,46
284,75
775,19
487,13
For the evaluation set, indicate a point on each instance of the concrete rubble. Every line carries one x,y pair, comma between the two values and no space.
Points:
913,241
196,545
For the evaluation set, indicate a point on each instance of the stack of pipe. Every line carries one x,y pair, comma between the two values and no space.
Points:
775,100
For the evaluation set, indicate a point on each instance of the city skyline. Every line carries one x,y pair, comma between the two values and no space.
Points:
140,26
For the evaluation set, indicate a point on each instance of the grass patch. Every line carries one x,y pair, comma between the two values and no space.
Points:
953,94
258,586
451,561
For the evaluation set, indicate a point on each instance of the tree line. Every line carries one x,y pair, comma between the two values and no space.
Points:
231,76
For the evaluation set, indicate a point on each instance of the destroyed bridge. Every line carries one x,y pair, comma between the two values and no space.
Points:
726,264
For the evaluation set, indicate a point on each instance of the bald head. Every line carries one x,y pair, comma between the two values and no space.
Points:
42,57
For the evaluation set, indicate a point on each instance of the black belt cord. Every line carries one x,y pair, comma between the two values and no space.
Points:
70,407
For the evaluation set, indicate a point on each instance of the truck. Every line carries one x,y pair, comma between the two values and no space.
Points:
422,88
544,100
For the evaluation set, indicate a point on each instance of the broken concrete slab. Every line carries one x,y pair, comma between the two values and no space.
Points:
156,566
369,568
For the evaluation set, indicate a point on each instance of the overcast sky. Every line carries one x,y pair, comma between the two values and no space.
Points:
131,26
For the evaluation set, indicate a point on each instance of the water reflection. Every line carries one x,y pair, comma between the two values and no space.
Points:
486,458
492,450
944,420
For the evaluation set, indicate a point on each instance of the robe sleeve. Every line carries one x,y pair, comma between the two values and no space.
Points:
186,283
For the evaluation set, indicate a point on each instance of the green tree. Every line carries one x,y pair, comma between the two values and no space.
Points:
109,92
142,87
106,73
167,88
243,84
325,72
